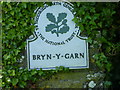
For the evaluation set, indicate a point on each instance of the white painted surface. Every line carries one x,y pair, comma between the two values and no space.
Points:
67,52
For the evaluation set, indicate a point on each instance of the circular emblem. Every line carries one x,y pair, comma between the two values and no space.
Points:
54,23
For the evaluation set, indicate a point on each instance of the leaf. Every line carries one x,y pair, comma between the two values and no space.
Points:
95,16
108,66
92,10
41,73
7,57
64,29
92,23
25,77
100,25
89,40
78,4
22,84
51,17
64,21
24,5
33,72
14,81
103,40
61,68
17,51
81,27
75,19
61,16
12,12
66,69
12,73
50,27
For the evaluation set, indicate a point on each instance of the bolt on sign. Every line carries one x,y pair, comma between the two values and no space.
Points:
56,40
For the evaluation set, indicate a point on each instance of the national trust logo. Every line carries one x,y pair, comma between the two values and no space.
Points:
54,24
57,26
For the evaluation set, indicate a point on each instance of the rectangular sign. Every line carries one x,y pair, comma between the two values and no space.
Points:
56,40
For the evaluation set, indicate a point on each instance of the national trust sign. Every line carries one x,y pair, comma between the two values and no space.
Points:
56,40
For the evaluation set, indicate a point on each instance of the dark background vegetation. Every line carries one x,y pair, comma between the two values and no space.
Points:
115,72
92,18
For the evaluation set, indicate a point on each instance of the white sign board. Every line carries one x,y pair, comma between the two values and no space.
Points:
56,41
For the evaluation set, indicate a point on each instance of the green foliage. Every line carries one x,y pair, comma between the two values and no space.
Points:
55,28
17,25
102,61
94,19
107,84
100,23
